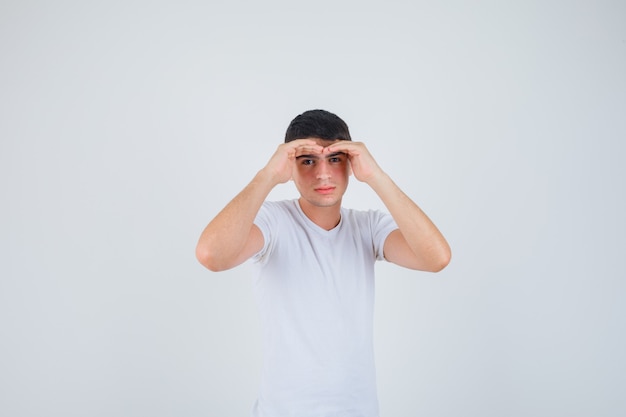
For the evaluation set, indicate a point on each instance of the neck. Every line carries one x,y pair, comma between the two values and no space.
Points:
325,217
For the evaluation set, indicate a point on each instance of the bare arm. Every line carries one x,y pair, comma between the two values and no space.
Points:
417,244
231,237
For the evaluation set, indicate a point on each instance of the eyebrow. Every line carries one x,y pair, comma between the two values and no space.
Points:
332,155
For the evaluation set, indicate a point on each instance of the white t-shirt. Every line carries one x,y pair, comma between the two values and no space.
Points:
315,293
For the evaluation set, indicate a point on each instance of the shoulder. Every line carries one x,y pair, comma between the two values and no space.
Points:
272,212
376,224
278,207
365,217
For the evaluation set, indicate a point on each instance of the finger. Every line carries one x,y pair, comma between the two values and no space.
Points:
312,150
301,142
309,145
341,146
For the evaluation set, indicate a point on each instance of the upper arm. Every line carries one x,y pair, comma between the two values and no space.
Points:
253,245
216,261
397,251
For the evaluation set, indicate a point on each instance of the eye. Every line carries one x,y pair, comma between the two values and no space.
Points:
307,162
335,159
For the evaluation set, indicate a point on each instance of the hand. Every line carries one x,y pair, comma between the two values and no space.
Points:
363,165
281,164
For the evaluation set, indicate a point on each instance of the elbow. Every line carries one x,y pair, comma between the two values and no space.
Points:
209,260
439,266
441,261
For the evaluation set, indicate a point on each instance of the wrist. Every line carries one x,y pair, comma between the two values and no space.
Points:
379,179
382,184
266,177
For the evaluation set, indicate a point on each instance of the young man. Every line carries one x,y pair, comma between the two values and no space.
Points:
315,267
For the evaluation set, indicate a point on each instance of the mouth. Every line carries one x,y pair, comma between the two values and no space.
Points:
325,189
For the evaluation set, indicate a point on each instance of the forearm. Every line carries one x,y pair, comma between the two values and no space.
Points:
429,248
231,237
225,237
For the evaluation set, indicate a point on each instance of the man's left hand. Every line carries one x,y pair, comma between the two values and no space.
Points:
363,165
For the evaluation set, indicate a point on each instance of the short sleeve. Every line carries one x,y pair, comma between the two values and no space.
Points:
265,221
382,225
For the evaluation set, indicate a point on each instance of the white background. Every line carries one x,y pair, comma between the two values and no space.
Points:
126,125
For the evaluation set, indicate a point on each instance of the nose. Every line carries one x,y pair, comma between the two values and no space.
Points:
323,170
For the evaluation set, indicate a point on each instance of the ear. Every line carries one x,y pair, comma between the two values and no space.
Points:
349,168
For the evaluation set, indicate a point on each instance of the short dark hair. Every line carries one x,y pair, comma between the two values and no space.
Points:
320,124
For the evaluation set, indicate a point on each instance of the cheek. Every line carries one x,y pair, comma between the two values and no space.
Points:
302,176
342,171
303,171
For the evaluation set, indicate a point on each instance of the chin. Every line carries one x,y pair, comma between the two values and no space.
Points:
323,202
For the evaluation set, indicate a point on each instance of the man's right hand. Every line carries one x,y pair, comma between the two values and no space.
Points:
281,164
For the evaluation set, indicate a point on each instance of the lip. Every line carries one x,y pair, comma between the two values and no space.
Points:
325,190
